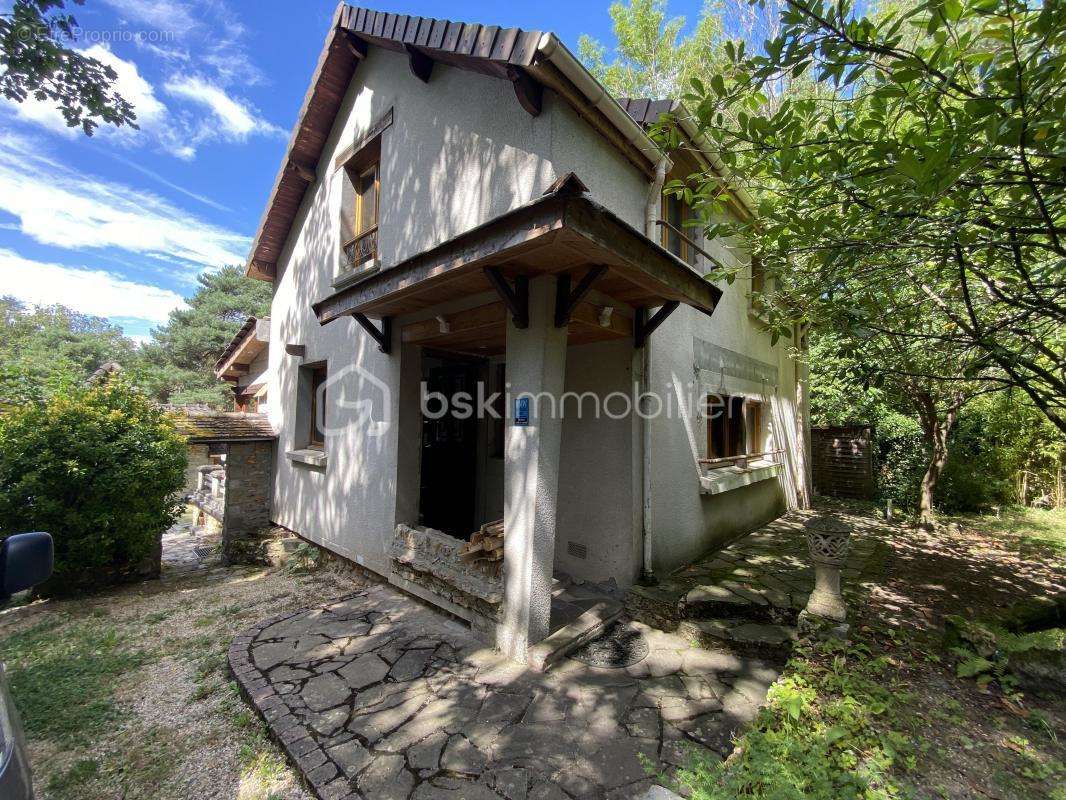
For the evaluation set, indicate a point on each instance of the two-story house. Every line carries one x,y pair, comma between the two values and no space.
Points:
464,210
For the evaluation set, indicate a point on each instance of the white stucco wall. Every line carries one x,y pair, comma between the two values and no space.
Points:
684,523
459,152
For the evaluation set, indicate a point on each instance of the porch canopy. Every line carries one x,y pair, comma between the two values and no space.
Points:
563,233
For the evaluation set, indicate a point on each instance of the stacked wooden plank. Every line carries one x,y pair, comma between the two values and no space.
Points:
486,544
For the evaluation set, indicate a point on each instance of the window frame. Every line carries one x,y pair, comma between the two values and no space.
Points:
687,252
740,424
365,161
318,374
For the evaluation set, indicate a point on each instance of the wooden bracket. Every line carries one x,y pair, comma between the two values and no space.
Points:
301,171
528,90
516,299
421,64
357,46
644,327
566,300
382,336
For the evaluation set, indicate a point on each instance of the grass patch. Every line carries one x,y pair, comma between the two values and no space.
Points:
70,783
63,675
831,730
1034,531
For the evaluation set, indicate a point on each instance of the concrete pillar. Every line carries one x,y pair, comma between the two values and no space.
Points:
536,366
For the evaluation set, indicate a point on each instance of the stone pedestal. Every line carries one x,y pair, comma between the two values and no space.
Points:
828,540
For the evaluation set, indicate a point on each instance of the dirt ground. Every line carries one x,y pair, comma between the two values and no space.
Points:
173,726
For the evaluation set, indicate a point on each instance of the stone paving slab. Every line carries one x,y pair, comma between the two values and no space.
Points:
744,593
377,696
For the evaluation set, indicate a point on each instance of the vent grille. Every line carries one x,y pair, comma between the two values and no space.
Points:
577,550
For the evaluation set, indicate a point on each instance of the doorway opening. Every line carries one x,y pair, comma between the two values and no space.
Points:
448,490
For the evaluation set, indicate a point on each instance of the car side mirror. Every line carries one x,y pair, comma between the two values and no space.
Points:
25,561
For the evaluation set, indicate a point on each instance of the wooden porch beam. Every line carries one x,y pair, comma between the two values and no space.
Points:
421,64
528,90
566,300
644,327
383,335
516,299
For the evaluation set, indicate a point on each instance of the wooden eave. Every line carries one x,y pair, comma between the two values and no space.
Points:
561,232
241,352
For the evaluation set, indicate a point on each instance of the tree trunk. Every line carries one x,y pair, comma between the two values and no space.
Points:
936,430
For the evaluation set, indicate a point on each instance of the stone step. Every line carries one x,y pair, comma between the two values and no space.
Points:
739,635
584,627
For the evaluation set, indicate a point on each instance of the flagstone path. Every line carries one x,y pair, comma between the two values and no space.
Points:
378,696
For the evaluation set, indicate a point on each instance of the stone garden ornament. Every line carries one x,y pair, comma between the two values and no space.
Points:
828,539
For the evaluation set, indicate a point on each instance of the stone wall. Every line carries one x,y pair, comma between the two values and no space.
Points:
198,456
426,562
249,486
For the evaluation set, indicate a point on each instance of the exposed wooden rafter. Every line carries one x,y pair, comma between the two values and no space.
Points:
516,299
421,64
644,327
358,46
530,92
382,335
566,300
301,171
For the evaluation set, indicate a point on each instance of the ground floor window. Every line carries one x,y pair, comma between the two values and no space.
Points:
734,426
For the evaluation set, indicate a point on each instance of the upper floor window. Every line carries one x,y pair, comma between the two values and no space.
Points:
675,236
360,201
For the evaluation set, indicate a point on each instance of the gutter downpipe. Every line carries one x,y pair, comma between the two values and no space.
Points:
651,216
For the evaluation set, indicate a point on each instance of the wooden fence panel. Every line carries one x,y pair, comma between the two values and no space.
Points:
842,461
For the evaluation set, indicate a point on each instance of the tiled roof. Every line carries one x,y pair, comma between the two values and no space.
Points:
222,426
644,111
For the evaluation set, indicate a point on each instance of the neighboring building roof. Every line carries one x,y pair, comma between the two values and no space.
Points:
222,426
247,343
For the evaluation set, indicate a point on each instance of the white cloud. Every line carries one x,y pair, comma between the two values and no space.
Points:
95,292
151,113
57,206
238,120
178,131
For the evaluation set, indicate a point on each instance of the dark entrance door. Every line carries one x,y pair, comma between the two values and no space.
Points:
449,452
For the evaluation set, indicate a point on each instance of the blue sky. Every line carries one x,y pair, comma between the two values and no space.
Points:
121,224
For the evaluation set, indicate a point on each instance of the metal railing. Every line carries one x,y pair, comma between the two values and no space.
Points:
740,461
362,248
688,240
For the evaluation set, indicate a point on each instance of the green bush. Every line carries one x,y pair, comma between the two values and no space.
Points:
99,469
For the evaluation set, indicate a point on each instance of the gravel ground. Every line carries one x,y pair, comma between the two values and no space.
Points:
179,728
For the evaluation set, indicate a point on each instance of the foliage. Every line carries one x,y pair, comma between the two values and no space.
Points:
984,650
926,188
97,468
50,348
305,557
64,685
177,366
35,61
653,59
828,731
